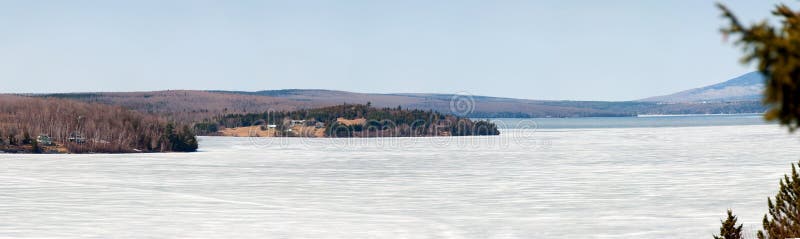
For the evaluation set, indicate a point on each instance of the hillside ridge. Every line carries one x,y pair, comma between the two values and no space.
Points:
746,87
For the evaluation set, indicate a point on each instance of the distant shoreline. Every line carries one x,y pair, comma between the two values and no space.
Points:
188,106
627,116
345,121
676,115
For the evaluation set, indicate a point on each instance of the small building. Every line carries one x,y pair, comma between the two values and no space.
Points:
100,141
272,126
293,123
44,140
76,138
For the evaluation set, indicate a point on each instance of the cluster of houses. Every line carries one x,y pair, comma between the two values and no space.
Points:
46,140
292,123
43,140
307,123
301,123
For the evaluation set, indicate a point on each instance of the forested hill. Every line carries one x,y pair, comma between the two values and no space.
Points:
353,120
35,125
188,106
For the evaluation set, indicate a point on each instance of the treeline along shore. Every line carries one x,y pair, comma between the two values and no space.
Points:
59,125
50,125
347,120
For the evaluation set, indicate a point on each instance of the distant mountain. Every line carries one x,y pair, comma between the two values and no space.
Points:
738,95
473,105
747,87
188,106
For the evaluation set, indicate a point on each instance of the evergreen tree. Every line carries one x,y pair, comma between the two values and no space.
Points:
187,140
35,147
179,141
167,137
729,229
783,218
776,49
26,138
12,140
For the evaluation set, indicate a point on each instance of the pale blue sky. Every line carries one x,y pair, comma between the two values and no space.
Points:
576,50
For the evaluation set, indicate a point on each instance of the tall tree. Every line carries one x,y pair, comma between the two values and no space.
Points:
12,140
776,50
729,228
35,148
783,219
168,137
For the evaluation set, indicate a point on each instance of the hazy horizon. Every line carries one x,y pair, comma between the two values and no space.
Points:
606,51
464,93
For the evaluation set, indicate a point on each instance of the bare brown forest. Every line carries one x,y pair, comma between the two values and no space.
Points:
186,106
29,124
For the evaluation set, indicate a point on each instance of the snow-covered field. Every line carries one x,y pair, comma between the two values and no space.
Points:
664,182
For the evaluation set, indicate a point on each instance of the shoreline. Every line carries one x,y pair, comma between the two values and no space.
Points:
697,115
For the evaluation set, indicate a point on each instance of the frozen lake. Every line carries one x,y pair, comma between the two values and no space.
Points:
660,181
